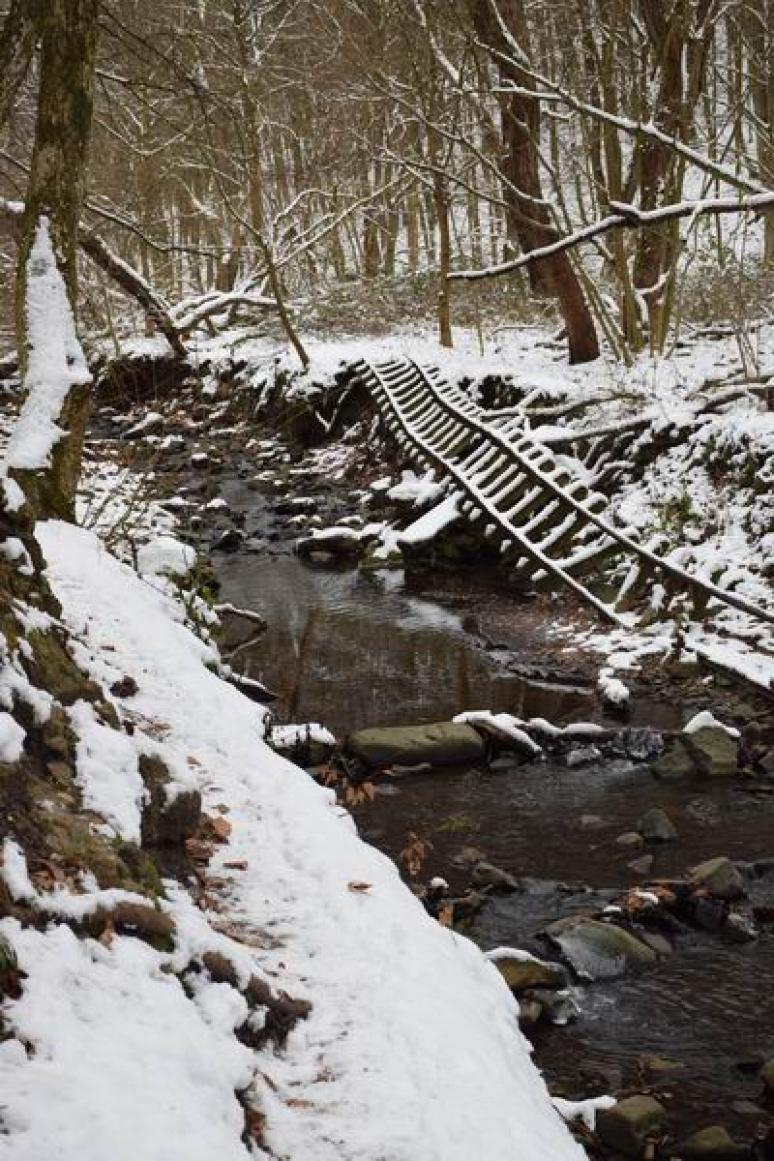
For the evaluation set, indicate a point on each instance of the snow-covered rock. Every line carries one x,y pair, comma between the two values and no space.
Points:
165,556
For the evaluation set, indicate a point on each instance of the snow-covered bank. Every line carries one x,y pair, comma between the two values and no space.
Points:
412,1048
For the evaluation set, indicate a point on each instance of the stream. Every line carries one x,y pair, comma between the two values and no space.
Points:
353,649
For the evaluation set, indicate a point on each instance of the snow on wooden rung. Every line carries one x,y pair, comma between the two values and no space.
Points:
525,504
557,534
495,473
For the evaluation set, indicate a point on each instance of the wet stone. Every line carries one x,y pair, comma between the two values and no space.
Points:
597,950
523,972
713,1143
628,1124
719,877
656,826
228,541
440,744
582,756
714,752
530,1012
487,875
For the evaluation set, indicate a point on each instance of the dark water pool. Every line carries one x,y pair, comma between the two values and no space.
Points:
354,650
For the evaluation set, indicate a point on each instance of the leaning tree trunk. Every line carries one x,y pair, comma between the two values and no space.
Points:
68,37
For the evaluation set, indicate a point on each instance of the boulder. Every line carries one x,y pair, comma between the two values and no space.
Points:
719,877
521,971
712,1143
655,825
487,875
627,1125
713,750
439,744
597,950
710,751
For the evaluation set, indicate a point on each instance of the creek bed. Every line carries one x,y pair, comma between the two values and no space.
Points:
355,650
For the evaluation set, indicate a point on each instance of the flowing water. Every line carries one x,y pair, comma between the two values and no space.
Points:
352,650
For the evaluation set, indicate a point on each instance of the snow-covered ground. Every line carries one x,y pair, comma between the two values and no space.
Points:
412,1048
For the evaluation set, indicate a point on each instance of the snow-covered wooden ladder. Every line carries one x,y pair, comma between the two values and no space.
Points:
547,518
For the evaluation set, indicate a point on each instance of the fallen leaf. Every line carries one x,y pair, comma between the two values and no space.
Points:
108,935
236,865
219,828
255,1123
359,887
446,915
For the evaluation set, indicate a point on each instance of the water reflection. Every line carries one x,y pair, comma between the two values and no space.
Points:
355,650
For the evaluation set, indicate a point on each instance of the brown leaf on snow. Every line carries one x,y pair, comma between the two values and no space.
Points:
236,865
446,915
108,935
359,887
255,1124
220,829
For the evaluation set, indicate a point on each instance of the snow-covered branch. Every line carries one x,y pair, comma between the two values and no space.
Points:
625,216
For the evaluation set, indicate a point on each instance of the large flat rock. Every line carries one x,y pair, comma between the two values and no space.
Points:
439,744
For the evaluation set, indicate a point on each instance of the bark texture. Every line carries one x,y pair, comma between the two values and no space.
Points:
68,39
529,221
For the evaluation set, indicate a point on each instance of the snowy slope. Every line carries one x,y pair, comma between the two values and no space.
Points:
412,1049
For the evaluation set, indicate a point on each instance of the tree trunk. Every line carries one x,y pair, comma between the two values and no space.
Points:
55,191
17,42
528,217
680,40
441,202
